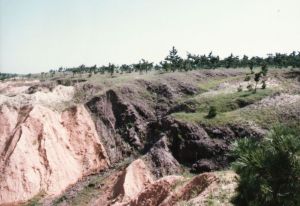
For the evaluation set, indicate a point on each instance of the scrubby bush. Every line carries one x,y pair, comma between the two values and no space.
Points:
240,88
269,170
256,79
264,85
212,112
249,87
247,78
251,65
264,70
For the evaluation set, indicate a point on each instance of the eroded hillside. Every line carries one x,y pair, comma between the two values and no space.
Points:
134,139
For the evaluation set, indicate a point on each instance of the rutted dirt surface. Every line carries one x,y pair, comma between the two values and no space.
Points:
44,150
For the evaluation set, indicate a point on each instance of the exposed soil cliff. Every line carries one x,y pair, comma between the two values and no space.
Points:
135,120
45,151
121,143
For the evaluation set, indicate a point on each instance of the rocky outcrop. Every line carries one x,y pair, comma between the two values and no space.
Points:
132,181
191,189
45,151
160,159
130,126
135,187
190,143
121,123
155,193
200,147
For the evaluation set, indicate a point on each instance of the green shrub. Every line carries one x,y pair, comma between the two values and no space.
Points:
269,170
247,78
264,70
264,85
240,88
257,77
212,112
250,87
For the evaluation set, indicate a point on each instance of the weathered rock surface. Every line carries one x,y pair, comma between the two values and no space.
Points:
155,193
121,123
160,159
190,143
191,189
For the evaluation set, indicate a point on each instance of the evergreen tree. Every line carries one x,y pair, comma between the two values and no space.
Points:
256,79
269,171
111,69
264,69
174,59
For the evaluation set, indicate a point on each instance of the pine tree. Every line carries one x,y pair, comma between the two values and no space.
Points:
269,171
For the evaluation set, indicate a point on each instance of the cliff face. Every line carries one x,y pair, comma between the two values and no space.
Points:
45,151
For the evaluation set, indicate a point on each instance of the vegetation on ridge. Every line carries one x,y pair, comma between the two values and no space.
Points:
173,62
226,106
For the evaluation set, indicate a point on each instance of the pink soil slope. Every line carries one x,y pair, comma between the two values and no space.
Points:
43,151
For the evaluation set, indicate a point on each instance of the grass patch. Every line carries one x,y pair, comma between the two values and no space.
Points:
185,203
223,194
92,188
268,117
212,83
35,201
265,117
84,196
227,107
229,102
201,117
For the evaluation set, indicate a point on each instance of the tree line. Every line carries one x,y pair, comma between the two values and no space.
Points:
141,66
4,76
173,62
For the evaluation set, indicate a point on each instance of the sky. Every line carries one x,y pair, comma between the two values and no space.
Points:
39,35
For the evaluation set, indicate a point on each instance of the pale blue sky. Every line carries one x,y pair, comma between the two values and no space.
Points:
38,35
